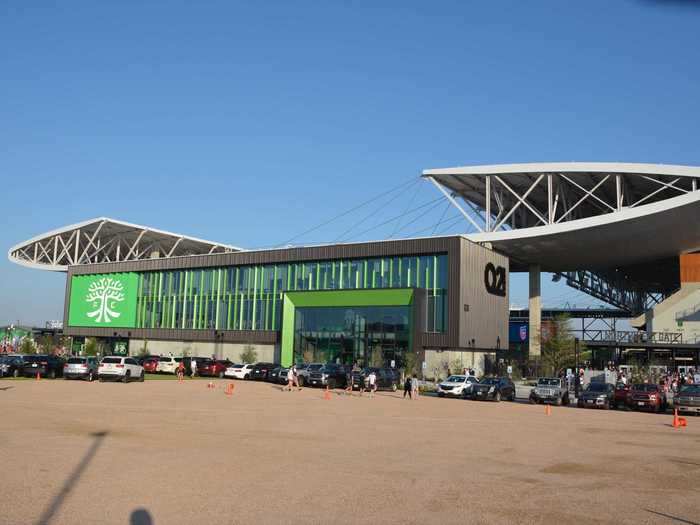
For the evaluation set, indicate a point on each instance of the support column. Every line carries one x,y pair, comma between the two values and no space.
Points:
535,306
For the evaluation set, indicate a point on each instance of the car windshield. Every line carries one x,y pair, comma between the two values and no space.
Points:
315,367
691,390
548,381
597,387
111,360
489,381
645,388
456,379
76,361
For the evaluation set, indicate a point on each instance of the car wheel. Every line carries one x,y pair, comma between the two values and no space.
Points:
127,376
246,377
559,401
440,394
606,405
533,401
142,376
497,396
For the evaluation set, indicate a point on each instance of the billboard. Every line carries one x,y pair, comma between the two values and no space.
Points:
103,300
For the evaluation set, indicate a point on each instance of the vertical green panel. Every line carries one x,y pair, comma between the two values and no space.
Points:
255,299
364,274
218,298
341,276
318,275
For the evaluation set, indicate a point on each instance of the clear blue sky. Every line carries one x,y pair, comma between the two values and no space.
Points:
250,122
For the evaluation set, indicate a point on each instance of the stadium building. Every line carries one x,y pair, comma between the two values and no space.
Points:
626,234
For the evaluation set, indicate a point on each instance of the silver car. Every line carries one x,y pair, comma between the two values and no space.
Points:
81,368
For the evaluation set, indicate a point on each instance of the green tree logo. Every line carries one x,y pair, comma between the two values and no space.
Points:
104,295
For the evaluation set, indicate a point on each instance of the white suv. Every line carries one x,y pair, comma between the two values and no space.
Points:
167,365
117,368
239,371
456,386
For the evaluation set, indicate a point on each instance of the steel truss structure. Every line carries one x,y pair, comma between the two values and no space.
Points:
107,240
538,214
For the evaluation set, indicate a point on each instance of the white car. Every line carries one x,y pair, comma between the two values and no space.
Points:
167,365
239,371
116,368
456,386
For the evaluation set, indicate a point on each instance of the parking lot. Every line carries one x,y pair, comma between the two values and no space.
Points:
167,452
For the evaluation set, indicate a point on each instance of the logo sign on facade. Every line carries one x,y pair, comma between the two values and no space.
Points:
107,300
523,333
495,279
120,348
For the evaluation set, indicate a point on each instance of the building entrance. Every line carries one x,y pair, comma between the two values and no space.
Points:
367,336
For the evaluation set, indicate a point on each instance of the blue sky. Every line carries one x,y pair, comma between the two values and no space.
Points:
249,123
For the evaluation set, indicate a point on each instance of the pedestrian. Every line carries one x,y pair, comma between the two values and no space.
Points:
372,383
407,387
193,367
291,373
348,381
414,386
181,370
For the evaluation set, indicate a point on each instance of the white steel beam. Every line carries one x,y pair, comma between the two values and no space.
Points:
455,203
521,200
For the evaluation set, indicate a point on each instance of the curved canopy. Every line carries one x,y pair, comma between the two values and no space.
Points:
106,240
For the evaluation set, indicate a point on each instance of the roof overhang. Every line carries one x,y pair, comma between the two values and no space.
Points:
106,240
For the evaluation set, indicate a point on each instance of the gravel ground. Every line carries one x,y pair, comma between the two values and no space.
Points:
168,453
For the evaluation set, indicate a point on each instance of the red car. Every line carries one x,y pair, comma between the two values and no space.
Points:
150,364
621,396
647,397
212,368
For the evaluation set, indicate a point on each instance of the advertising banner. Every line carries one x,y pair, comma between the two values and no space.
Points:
103,300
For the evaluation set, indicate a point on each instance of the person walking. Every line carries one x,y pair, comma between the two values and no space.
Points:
414,386
348,381
407,387
291,373
193,367
372,383
181,371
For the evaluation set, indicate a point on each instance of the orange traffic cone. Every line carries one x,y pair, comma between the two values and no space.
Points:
547,410
327,394
676,423
38,376
229,389
683,422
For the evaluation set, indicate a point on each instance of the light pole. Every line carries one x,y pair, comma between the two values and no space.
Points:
578,379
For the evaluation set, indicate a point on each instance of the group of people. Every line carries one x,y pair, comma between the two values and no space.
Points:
410,387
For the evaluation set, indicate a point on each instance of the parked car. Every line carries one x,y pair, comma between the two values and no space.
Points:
150,365
621,395
597,395
647,397
688,399
494,388
330,375
81,368
304,371
260,371
456,386
46,365
278,375
11,365
166,365
212,368
550,390
238,371
387,378
117,368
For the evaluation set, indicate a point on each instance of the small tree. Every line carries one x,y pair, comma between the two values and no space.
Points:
27,345
249,355
558,350
90,347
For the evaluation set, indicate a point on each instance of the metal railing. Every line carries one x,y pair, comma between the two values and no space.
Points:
617,336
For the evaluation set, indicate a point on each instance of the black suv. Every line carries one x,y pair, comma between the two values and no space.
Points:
11,365
494,388
260,371
46,365
330,375
387,378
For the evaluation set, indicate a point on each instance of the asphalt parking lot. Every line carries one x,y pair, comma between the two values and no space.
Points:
167,453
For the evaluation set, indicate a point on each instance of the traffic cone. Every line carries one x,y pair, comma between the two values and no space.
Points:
327,394
38,376
682,422
229,389
676,423
547,410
